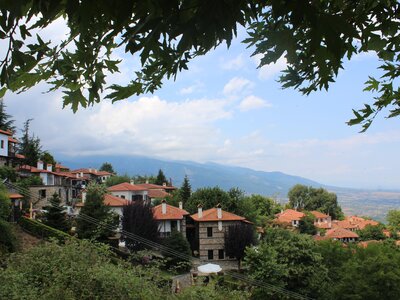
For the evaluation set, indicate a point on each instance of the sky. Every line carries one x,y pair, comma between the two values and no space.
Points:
226,110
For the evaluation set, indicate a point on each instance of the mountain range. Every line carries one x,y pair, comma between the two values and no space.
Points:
373,203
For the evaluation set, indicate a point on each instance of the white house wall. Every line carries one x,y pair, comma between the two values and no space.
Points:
4,150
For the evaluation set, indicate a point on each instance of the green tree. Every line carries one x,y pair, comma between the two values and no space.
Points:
237,238
9,173
393,219
6,123
138,219
186,190
55,215
178,243
306,224
309,198
95,209
314,37
114,180
208,197
47,158
371,233
77,270
372,273
161,179
29,145
258,209
8,239
5,204
288,260
107,167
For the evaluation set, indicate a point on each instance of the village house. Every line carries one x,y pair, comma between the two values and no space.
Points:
115,203
129,191
155,191
354,223
291,217
170,218
322,221
8,155
93,174
208,231
339,234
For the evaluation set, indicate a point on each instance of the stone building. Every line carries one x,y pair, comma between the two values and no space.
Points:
207,232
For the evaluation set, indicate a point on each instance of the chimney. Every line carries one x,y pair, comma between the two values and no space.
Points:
180,205
77,175
219,211
147,181
90,170
81,174
40,165
164,207
164,184
50,167
83,196
132,182
95,170
200,210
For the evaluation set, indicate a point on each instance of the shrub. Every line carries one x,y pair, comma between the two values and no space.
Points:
8,240
41,230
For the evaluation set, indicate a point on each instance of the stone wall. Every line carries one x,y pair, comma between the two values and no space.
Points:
40,198
216,242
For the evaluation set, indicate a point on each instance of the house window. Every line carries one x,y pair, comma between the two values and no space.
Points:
221,254
2,144
174,225
210,254
122,196
42,194
209,231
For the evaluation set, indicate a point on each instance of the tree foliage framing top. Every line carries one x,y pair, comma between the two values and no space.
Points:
315,37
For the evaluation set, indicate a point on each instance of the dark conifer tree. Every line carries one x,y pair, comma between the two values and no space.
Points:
161,179
55,216
186,190
6,123
237,238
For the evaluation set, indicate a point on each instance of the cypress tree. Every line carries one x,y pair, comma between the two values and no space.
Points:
55,216
186,190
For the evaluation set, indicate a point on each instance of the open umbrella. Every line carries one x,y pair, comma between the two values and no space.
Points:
209,268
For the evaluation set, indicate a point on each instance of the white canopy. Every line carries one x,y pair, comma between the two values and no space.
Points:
209,268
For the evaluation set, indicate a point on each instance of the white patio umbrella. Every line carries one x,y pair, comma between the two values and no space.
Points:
209,268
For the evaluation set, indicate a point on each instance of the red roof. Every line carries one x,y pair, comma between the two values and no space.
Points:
125,186
319,215
289,215
6,132
211,215
340,233
151,186
12,140
110,200
19,156
158,194
172,212
15,196
91,171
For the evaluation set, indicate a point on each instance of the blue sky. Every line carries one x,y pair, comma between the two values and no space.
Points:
225,110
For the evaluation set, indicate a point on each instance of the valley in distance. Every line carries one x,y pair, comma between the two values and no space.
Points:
362,202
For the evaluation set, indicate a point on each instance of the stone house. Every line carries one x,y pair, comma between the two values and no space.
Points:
206,234
170,218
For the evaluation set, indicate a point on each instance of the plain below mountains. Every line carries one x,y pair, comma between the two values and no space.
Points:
276,184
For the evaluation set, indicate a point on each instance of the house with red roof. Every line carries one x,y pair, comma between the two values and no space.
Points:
8,145
291,217
115,203
206,232
322,221
340,234
130,191
170,218
92,174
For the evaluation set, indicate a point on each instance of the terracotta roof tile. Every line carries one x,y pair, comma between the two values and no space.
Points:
125,186
158,194
211,215
12,140
319,215
340,233
151,186
6,132
15,196
109,200
289,215
172,213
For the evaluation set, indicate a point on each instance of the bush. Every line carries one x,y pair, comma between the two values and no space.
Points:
178,243
8,240
41,230
9,173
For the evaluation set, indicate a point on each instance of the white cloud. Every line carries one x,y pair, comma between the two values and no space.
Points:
236,63
237,86
191,89
269,71
253,102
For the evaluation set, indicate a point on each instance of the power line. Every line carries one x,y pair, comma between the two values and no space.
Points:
167,250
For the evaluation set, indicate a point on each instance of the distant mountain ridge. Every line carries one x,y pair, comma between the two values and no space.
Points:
200,174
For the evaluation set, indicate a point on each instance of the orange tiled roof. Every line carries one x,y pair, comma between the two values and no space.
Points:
17,155
6,132
12,140
151,186
289,215
91,171
340,233
319,215
125,186
346,224
158,194
172,213
323,225
15,196
109,200
211,215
